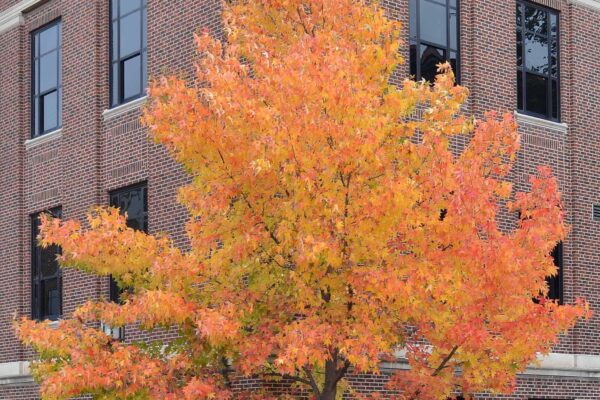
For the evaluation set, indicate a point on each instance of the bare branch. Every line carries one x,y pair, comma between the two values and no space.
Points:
444,362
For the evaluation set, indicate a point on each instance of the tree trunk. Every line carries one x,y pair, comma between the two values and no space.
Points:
332,377
329,394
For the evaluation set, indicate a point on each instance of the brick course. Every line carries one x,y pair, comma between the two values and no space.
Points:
94,155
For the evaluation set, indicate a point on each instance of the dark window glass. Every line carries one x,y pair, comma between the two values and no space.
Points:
434,30
46,79
536,94
519,90
555,283
132,83
430,58
537,61
132,201
128,50
46,278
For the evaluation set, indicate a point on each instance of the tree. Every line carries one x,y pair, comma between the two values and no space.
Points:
330,227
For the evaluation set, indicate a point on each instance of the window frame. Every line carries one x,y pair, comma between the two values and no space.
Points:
36,276
418,41
37,118
114,290
142,53
522,70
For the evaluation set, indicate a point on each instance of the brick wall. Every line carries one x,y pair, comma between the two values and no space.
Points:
94,155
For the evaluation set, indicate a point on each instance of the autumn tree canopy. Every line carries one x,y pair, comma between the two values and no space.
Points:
332,227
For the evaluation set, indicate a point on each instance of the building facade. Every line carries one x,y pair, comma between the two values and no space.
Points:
72,78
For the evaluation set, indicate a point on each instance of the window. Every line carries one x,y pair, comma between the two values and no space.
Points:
46,279
46,79
132,201
128,50
434,37
555,283
538,85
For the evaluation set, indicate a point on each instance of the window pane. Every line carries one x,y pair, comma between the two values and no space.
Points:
132,80
536,20
144,28
135,210
553,24
49,111
114,292
114,38
454,62
114,9
48,39
129,5
519,49
115,84
554,282
48,71
36,113
554,99
536,53
35,300
433,22
453,30
413,18
520,90
144,71
130,39
50,298
554,58
413,60
133,203
59,122
36,44
536,93
49,264
430,58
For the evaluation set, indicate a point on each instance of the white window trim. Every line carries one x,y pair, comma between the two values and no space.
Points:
553,364
124,108
45,138
17,372
13,16
523,119
593,4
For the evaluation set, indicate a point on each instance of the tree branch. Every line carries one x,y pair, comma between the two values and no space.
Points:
444,362
312,382
286,376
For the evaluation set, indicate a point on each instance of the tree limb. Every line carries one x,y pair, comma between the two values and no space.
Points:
312,382
444,362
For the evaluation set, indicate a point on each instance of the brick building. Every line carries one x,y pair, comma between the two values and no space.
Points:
72,74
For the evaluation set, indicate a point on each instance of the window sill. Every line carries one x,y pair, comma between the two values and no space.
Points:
524,119
45,138
15,373
124,108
